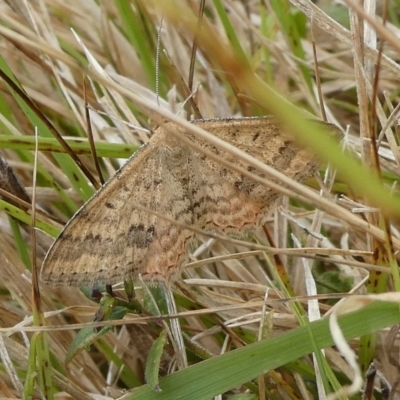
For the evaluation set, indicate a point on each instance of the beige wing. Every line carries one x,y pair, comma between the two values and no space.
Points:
230,202
109,239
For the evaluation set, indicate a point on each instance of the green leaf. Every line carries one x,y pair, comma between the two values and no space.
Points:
153,361
23,216
87,336
79,146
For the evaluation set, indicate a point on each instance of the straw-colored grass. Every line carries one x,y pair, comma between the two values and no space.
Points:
59,59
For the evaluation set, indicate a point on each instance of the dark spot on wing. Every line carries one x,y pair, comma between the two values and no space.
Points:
140,236
239,185
136,228
91,238
185,211
153,184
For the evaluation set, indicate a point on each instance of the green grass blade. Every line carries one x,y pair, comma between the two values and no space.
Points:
137,32
221,374
22,216
230,30
112,150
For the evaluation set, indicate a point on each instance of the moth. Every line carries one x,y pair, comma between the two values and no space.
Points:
109,239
